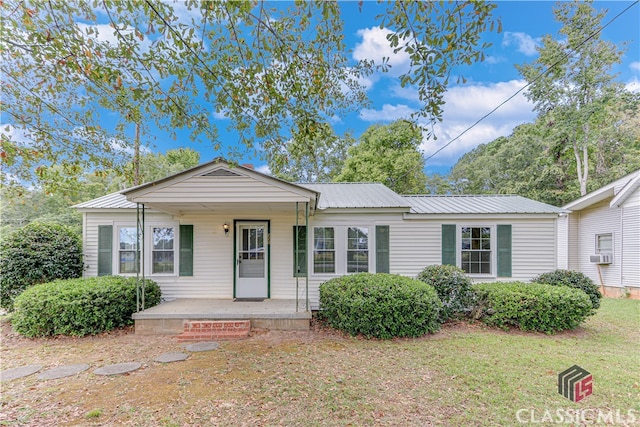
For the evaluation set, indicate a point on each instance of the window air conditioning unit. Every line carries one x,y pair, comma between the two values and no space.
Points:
600,259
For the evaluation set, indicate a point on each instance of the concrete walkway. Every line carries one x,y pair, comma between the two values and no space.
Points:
115,369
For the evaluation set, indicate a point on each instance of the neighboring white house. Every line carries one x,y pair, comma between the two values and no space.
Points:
601,236
223,231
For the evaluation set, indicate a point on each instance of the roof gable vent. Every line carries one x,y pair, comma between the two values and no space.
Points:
220,172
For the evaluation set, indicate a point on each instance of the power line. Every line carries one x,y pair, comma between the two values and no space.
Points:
565,56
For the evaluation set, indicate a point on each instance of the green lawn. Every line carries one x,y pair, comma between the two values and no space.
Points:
463,375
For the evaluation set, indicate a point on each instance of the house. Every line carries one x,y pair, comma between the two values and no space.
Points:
225,231
601,236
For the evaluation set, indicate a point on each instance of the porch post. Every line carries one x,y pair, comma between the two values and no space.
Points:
306,270
140,288
295,257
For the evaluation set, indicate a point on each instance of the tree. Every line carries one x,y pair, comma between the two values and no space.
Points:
39,205
167,66
388,154
153,166
314,154
533,163
578,90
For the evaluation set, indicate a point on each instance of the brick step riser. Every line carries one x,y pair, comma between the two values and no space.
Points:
215,330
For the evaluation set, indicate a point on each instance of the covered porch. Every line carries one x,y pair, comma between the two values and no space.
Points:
169,318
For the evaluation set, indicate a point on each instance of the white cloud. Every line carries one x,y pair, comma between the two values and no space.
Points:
633,85
635,66
219,116
265,169
19,136
375,46
525,43
467,104
388,113
122,147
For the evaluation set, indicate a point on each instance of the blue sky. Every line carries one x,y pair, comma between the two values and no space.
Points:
488,83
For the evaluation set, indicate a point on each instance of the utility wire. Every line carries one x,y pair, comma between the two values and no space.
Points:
565,56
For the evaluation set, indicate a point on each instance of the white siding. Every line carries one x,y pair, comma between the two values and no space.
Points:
600,219
631,240
414,244
573,247
563,242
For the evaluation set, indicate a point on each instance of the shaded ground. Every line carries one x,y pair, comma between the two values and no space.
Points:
463,375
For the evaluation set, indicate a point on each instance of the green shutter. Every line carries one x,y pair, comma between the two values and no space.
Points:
382,248
105,245
300,268
186,250
504,250
448,244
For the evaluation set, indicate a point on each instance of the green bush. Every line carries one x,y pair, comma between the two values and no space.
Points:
572,279
531,306
37,253
453,287
79,306
380,305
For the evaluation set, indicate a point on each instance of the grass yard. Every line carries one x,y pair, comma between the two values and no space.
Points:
463,375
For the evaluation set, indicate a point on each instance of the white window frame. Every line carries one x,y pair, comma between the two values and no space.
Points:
151,250
116,253
598,249
340,237
347,250
493,250
334,250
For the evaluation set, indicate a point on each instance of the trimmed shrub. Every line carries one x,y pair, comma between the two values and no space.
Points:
80,306
37,253
572,279
532,306
380,305
453,287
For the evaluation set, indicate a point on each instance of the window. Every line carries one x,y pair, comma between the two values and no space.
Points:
604,243
162,256
127,248
357,250
476,250
324,254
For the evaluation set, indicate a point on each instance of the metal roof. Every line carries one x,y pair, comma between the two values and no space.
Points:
356,195
482,204
110,201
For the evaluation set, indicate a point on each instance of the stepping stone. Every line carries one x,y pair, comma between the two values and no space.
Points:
63,371
202,346
22,371
171,357
118,368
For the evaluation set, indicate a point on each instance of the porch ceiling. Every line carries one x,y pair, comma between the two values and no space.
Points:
237,208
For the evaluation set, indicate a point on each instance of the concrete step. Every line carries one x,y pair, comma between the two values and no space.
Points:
208,330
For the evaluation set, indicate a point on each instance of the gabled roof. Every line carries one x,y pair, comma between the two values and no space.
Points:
357,195
215,168
619,190
110,201
482,204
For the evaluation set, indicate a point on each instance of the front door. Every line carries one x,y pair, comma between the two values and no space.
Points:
252,260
